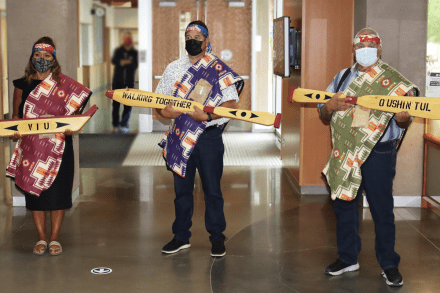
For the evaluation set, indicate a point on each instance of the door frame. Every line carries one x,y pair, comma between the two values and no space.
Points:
145,33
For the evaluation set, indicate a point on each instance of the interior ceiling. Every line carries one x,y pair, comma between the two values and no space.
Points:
117,3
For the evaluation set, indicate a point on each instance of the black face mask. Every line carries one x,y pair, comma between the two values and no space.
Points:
193,47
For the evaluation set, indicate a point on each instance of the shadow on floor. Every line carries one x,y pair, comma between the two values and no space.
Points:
104,150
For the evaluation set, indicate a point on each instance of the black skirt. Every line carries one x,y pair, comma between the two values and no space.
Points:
59,195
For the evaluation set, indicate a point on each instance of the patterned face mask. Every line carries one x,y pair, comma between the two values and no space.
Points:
42,65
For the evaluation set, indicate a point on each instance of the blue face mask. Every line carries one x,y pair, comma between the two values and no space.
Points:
366,56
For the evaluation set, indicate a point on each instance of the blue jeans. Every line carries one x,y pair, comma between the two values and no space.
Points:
125,115
378,172
115,111
207,158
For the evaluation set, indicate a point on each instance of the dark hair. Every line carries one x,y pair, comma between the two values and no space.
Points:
199,22
30,69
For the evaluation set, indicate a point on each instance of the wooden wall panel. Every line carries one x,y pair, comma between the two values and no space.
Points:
327,33
229,28
327,48
327,40
290,130
166,36
166,32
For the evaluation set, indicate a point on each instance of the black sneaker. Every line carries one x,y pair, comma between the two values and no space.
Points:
218,248
393,277
340,267
175,245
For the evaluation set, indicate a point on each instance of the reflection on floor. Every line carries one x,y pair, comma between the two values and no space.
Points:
278,242
114,150
104,150
241,149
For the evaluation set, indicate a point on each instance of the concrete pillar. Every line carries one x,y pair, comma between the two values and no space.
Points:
403,26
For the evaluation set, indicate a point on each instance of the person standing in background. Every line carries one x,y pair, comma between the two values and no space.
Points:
125,60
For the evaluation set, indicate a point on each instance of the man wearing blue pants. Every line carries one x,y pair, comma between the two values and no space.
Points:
364,155
194,139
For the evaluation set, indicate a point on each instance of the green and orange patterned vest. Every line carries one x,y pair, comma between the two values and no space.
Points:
353,145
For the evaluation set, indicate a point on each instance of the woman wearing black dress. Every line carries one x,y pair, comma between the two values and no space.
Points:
58,197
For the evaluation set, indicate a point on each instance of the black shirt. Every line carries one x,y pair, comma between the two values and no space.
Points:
124,75
27,89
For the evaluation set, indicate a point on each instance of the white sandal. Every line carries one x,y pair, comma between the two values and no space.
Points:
41,252
51,250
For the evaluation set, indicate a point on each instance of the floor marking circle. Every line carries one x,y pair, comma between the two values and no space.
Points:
101,271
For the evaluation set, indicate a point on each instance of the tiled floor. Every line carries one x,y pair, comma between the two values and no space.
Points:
278,242
113,150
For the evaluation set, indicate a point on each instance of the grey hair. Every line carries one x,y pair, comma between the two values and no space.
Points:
373,32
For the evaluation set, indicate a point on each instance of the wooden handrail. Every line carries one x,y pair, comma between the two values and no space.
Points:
427,201
433,139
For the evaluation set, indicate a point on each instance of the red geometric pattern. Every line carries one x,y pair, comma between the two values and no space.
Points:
36,161
367,39
386,82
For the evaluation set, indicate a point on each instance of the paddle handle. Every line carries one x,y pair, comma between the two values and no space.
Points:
311,96
258,117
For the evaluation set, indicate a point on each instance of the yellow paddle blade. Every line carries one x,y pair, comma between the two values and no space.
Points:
56,124
424,107
139,98
257,117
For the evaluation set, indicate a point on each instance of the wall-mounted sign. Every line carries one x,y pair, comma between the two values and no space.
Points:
143,56
226,55
433,84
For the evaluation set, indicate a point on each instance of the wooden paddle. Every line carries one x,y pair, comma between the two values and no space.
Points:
138,98
424,107
45,125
